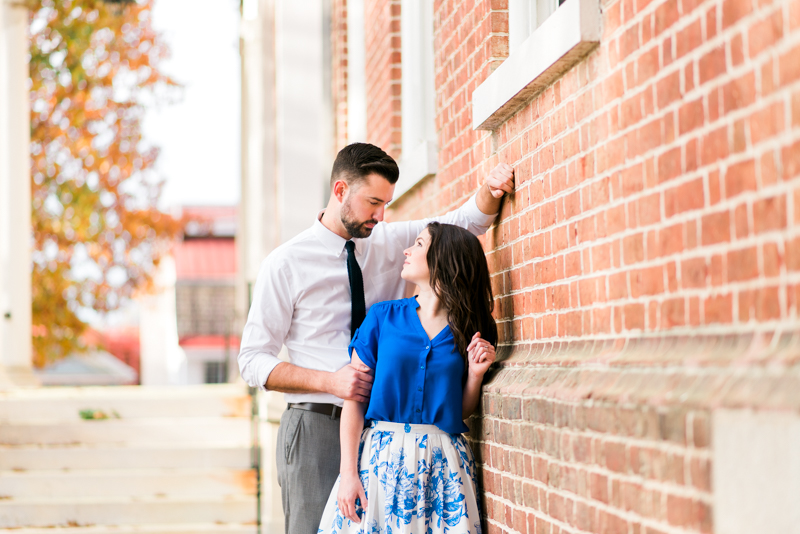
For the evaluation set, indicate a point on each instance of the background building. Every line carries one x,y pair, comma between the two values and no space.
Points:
205,261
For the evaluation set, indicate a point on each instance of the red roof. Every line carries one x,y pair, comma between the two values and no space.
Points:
206,259
207,342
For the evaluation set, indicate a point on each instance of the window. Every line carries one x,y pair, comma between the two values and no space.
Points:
418,95
215,373
546,39
524,16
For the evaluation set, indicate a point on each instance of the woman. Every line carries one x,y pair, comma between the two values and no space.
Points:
412,470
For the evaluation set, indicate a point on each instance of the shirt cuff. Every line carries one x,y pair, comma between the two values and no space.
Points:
474,213
263,371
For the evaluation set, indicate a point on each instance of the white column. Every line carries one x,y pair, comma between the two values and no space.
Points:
15,199
162,359
258,223
303,162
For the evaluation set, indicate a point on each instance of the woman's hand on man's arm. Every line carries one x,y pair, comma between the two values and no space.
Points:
480,356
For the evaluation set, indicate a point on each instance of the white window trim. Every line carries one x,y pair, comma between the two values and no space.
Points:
415,166
419,158
562,40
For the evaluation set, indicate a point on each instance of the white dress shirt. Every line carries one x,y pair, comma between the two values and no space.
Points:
302,295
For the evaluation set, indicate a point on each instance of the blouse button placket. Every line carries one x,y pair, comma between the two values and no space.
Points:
421,381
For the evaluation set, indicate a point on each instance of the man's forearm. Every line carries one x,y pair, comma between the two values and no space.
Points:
486,202
288,378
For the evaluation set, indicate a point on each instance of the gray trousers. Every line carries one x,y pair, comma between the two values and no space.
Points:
308,454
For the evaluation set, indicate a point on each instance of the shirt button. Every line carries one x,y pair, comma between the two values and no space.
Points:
422,367
428,347
419,388
418,409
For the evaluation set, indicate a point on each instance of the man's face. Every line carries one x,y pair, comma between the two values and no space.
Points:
364,204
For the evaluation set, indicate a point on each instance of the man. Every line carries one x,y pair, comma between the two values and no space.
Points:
312,293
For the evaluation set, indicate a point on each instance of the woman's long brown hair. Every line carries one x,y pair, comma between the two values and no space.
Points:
460,280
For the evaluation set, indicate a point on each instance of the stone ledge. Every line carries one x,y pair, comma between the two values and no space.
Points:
753,370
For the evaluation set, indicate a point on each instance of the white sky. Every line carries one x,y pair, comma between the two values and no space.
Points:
199,136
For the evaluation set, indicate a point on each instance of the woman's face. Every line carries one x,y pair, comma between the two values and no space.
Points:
415,268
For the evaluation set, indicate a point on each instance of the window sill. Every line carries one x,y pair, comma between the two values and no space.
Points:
418,164
557,45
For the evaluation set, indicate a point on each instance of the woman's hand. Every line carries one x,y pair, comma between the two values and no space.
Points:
480,354
350,488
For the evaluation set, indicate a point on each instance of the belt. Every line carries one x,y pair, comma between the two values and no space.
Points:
330,410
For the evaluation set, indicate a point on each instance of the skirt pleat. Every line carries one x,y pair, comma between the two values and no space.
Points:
417,479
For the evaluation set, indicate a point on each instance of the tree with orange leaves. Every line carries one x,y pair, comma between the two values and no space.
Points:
97,232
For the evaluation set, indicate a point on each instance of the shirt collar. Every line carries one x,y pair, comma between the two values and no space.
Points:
333,242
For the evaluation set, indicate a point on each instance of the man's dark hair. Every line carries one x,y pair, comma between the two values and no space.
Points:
357,161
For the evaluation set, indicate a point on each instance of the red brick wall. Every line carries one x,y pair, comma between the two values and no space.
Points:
647,270
382,37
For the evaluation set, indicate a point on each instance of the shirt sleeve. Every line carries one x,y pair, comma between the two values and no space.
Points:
267,325
365,340
468,216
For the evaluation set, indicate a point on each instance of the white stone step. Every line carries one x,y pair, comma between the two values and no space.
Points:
73,512
127,483
190,528
128,431
206,455
64,403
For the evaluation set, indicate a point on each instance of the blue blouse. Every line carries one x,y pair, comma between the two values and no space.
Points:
417,380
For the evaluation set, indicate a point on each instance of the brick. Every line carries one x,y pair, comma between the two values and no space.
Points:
790,156
690,116
669,165
615,456
598,487
679,511
734,10
634,316
716,228
689,38
694,273
742,264
767,304
740,177
741,221
673,313
765,33
736,49
649,281
792,248
796,107
769,213
685,197
670,240
714,146
718,309
739,93
789,70
712,64
633,247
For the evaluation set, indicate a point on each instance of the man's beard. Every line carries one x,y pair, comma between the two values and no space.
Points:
355,228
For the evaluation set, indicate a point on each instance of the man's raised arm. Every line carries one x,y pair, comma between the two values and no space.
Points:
476,215
499,182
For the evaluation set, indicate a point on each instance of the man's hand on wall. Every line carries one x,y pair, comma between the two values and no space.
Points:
501,180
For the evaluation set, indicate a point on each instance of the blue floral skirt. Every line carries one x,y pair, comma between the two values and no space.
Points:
417,479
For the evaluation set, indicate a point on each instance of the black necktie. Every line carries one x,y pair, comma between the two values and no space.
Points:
358,308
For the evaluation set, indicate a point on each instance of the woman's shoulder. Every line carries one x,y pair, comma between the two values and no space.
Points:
387,306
